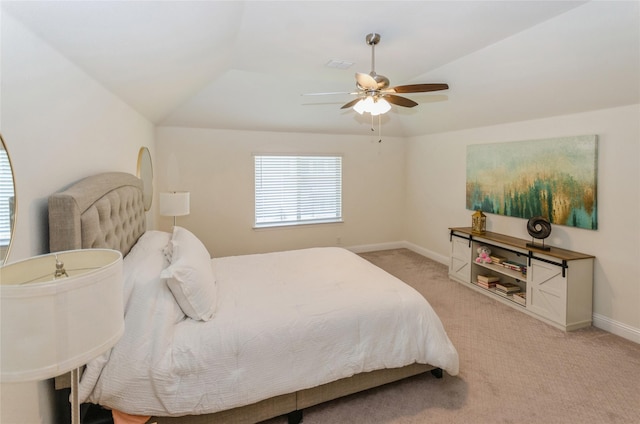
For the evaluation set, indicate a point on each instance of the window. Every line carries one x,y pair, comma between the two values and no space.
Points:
292,190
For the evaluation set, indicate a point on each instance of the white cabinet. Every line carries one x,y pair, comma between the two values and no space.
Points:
558,283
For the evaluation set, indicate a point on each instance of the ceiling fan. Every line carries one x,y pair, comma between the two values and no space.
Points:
374,93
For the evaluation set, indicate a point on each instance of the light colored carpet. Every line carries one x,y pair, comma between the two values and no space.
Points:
513,368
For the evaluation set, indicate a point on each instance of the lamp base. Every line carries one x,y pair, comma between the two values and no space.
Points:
75,403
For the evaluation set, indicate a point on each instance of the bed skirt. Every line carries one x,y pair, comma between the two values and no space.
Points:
285,404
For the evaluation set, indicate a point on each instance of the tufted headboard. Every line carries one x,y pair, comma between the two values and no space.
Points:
101,211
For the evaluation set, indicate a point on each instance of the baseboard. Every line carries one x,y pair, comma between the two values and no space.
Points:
377,246
427,253
400,245
617,328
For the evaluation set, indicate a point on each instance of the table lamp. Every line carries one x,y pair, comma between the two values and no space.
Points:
57,312
174,204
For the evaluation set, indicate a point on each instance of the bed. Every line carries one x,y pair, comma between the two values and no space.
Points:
266,335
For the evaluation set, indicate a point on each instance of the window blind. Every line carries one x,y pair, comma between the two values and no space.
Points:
6,196
291,190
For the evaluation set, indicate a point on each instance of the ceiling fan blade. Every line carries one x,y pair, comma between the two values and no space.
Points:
419,88
366,81
351,103
329,93
400,101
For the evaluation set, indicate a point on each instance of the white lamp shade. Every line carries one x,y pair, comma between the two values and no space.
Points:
360,106
375,107
380,106
174,203
49,325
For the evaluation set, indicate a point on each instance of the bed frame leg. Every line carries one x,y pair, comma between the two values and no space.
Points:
294,417
437,372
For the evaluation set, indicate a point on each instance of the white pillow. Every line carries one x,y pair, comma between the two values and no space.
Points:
190,276
143,264
167,251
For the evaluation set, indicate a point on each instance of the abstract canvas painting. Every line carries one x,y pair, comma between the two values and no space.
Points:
554,178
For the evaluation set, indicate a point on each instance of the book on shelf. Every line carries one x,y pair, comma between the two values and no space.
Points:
488,278
515,266
508,288
520,297
486,285
495,259
503,293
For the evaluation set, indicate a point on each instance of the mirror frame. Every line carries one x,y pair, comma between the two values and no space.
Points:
4,255
145,173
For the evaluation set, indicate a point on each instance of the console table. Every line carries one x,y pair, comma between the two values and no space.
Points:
556,285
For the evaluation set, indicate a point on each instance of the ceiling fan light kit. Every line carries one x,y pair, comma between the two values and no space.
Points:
372,105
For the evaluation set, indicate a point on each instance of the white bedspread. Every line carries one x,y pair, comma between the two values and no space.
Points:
285,321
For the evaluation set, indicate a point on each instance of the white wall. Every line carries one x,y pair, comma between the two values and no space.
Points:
59,126
216,166
436,172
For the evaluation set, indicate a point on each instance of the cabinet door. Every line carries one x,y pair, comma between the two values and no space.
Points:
547,291
460,261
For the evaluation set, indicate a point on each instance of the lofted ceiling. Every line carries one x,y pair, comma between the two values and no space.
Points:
246,64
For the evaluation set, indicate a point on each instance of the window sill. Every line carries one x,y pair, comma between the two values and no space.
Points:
294,224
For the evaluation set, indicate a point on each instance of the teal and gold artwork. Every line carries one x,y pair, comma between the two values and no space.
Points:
554,178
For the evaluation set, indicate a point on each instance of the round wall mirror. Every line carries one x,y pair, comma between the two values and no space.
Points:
145,173
7,202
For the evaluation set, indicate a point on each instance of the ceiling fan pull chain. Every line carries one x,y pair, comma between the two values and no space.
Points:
380,128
